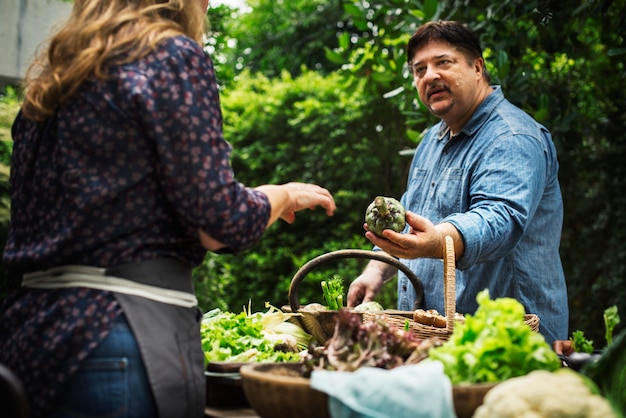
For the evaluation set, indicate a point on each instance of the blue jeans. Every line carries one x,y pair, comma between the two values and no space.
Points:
111,382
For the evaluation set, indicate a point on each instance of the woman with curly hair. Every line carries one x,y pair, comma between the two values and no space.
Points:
120,184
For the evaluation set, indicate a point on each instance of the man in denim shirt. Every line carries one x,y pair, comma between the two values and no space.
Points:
486,175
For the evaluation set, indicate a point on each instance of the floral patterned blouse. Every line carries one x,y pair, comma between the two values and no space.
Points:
128,169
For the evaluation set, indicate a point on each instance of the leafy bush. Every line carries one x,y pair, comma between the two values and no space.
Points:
9,106
309,129
562,65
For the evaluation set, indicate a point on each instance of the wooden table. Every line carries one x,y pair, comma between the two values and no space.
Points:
215,412
225,397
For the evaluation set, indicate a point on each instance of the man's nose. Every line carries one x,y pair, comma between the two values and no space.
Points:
430,74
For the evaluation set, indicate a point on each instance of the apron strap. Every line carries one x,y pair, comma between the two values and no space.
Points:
158,280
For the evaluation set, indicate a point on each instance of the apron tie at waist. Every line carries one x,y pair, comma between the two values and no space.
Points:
161,280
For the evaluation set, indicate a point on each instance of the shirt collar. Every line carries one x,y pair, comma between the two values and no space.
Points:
479,117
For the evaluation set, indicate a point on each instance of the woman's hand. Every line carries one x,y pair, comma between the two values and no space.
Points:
306,196
287,199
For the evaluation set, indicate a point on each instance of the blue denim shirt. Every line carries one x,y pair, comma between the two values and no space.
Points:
497,183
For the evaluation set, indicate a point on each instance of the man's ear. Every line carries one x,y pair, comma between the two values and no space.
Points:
479,66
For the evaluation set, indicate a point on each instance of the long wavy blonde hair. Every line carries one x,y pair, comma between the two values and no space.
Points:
100,33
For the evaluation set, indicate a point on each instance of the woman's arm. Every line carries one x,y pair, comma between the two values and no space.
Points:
285,200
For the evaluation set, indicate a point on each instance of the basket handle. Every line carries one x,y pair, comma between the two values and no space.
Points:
449,283
341,254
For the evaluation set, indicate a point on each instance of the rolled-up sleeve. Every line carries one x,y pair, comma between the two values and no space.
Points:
506,188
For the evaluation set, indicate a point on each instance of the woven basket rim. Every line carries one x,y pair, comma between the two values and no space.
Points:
449,294
323,259
324,328
255,370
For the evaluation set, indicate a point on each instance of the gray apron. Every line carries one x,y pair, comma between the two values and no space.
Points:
168,337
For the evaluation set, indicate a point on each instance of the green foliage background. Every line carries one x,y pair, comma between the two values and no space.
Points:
319,91
9,106
562,62
311,129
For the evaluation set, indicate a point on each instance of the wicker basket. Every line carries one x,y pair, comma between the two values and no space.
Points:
281,390
468,397
449,294
321,324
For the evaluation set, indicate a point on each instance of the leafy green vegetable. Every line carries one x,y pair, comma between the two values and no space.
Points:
355,344
609,373
583,345
580,343
333,292
494,344
611,319
251,337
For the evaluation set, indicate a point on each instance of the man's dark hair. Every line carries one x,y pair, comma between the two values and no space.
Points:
453,33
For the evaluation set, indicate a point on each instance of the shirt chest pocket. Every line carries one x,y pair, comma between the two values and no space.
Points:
446,192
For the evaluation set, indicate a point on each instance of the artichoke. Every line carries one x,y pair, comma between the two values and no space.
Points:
385,213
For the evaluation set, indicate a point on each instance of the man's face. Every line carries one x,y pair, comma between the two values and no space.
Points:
445,82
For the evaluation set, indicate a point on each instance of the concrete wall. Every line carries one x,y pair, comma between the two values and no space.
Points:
24,25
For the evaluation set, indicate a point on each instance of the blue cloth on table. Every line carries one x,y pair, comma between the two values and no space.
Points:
415,391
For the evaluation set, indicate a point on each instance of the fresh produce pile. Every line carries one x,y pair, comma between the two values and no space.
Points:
609,373
606,367
582,345
252,337
494,344
355,344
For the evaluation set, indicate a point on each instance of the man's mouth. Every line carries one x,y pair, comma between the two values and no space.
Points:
436,92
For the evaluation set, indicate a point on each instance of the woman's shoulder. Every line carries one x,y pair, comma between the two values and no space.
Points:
178,46
175,55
